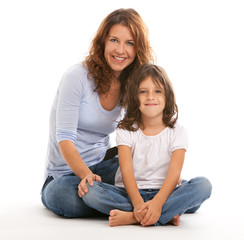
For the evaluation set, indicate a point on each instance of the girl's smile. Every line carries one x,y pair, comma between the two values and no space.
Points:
152,99
150,104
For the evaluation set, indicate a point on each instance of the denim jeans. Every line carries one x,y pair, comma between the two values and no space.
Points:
186,198
61,195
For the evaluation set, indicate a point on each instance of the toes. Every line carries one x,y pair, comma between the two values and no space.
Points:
177,221
111,222
113,213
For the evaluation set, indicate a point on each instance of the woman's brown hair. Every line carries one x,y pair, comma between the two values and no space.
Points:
95,61
132,120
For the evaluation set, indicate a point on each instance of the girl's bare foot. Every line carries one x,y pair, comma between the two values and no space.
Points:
118,217
175,220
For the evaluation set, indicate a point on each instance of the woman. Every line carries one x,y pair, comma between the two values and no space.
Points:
87,109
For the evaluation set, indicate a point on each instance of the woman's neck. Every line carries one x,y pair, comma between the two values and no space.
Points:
115,84
110,99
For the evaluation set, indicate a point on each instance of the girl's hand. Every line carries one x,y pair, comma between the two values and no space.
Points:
179,181
82,188
154,210
139,215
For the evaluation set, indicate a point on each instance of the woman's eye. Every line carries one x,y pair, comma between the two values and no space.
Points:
158,91
113,40
130,43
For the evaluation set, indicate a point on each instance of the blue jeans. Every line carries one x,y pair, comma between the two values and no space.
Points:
61,195
186,198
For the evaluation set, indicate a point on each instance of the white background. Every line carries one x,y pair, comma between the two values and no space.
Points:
199,43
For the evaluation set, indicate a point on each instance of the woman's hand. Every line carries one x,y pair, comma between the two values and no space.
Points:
82,188
154,209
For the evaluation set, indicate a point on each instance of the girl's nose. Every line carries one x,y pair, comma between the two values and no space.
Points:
150,95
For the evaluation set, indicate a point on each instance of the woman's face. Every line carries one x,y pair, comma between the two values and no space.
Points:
119,49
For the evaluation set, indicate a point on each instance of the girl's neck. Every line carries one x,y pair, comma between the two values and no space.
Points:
152,127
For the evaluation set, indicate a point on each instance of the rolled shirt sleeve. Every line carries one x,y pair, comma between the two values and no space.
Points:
68,105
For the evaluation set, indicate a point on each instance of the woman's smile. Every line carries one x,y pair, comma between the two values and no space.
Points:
119,48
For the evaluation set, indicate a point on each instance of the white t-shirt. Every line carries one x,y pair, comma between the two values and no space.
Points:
151,154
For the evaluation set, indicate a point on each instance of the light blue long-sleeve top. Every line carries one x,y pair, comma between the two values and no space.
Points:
78,116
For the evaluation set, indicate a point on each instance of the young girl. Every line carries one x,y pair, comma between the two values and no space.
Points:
152,148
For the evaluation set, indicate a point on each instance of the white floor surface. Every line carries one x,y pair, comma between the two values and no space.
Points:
32,221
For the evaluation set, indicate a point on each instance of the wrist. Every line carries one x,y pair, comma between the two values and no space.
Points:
158,201
137,202
85,174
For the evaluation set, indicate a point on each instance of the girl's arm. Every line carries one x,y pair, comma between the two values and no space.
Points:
127,171
173,175
77,165
155,205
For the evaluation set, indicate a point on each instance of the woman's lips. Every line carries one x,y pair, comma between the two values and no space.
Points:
119,59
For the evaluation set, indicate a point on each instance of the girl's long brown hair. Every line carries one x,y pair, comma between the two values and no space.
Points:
95,61
132,120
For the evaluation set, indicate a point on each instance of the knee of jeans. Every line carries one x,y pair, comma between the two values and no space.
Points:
92,193
205,186
51,195
59,198
43,200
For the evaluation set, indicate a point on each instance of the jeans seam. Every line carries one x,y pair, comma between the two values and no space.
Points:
183,210
196,204
165,216
100,189
175,192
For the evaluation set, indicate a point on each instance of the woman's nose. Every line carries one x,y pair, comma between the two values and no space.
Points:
120,48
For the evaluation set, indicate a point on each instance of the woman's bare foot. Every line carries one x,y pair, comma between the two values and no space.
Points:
175,220
118,217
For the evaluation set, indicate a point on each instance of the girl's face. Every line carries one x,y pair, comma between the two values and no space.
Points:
119,49
152,99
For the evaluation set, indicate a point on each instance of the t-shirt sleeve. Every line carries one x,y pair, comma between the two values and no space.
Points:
70,94
123,137
179,138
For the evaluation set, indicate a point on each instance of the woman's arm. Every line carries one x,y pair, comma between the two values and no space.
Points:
127,170
172,177
73,159
77,165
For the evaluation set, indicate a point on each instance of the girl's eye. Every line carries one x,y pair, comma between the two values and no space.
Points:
142,91
158,91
